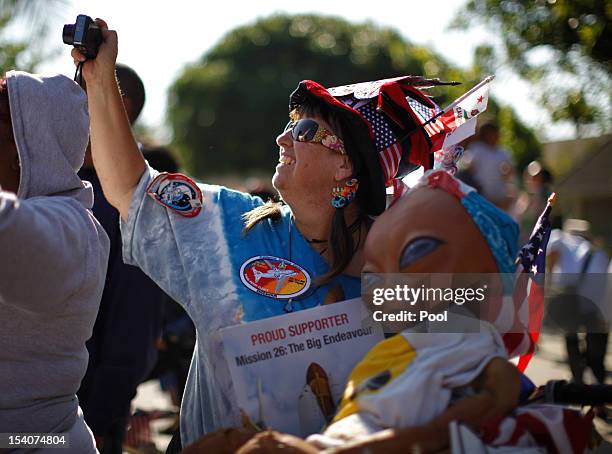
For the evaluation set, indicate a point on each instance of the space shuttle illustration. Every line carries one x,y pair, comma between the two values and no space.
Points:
279,273
317,401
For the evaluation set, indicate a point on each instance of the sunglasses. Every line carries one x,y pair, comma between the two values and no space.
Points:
307,130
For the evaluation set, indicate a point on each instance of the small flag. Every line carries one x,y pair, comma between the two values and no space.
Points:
529,289
457,122
468,105
459,118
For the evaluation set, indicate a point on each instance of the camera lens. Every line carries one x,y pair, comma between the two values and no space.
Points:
68,34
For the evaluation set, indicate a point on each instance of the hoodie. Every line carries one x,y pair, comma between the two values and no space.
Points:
53,256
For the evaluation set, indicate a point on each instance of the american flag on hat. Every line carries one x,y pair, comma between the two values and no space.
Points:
407,125
385,140
425,114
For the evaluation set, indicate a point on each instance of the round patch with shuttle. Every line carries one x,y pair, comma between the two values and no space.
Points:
274,277
178,192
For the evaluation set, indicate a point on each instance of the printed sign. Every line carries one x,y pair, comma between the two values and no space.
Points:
289,372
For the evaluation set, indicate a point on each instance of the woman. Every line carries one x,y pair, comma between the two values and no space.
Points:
225,256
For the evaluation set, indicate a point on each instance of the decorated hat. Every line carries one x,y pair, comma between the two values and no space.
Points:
387,129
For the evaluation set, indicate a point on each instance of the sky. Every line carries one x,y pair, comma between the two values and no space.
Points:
158,39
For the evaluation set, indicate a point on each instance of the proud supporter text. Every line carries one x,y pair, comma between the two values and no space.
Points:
412,295
307,327
309,344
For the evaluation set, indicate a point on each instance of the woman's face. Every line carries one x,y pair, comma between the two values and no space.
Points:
306,169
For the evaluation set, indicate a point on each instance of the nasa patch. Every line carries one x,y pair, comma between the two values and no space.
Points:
177,192
274,277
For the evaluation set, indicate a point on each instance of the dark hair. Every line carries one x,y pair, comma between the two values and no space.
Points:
131,87
556,221
6,125
161,158
489,126
547,177
340,241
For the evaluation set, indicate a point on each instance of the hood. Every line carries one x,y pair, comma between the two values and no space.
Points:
51,129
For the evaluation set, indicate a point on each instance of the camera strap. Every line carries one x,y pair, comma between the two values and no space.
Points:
78,74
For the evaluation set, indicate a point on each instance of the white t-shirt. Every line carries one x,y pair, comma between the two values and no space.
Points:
486,163
573,251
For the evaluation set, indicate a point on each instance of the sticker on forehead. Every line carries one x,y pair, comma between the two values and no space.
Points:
177,192
274,277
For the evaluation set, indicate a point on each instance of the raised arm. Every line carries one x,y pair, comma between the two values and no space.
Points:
116,157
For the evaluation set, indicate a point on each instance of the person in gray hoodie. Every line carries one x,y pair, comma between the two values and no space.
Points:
53,257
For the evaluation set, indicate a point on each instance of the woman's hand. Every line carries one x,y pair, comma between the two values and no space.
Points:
101,68
116,156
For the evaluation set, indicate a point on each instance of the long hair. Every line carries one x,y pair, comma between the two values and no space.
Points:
340,241
269,210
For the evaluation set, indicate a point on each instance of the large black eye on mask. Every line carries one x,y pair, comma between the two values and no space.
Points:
417,249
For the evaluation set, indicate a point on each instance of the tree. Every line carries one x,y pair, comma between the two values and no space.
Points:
24,51
562,47
227,109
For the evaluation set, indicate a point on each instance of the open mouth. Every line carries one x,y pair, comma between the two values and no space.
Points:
286,160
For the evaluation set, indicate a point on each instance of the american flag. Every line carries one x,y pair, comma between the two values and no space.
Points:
138,433
553,427
528,296
424,114
389,150
397,112
445,128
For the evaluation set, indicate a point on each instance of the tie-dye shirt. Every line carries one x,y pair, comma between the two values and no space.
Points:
198,261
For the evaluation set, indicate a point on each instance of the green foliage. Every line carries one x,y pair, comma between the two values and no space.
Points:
227,109
9,51
24,51
561,46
